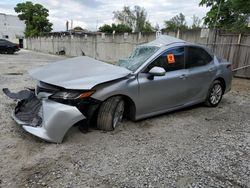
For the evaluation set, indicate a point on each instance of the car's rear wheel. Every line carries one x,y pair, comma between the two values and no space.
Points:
215,94
10,51
110,113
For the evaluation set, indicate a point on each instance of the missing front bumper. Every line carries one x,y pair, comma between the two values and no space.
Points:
45,118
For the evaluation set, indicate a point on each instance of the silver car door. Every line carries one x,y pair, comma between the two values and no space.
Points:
163,92
201,72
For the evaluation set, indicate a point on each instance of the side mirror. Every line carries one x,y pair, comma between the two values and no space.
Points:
157,71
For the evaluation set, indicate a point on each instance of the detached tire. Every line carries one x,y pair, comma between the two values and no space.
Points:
215,94
110,113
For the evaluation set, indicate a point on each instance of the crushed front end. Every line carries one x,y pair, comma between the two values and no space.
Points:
49,111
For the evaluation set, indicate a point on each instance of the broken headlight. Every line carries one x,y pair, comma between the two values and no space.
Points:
71,95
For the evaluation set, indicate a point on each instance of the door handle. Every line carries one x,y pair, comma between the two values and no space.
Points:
183,76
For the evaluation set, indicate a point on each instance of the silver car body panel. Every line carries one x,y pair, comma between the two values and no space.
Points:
187,91
174,90
57,120
78,73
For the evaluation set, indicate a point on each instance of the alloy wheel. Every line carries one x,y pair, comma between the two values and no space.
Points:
118,113
216,94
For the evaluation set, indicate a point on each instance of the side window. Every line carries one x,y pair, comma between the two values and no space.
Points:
170,60
197,57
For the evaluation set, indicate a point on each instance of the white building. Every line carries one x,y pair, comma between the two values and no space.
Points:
11,28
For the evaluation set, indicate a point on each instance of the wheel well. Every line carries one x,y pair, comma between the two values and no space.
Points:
130,108
222,82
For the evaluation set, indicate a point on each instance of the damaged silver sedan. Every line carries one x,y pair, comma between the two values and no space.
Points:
158,77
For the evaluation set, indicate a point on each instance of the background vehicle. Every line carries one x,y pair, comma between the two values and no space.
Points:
8,47
161,76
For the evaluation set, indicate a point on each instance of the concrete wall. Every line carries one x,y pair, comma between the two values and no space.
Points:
110,48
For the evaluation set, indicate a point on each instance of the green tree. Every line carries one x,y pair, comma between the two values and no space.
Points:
177,22
119,28
242,6
106,28
35,17
140,16
196,22
157,27
135,19
227,14
78,28
148,28
126,16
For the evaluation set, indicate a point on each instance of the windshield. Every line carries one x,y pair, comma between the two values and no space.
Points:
137,57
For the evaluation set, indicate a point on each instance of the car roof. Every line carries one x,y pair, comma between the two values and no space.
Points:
164,40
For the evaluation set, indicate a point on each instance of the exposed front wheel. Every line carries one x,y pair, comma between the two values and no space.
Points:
110,113
214,94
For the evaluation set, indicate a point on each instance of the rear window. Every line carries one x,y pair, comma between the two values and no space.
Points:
197,56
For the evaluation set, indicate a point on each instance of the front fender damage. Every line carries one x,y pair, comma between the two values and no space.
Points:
45,118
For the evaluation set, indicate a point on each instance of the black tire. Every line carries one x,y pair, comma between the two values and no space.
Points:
213,101
107,115
10,51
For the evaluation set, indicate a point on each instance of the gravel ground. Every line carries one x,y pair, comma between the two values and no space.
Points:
194,147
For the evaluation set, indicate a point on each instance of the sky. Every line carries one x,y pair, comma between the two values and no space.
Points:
91,14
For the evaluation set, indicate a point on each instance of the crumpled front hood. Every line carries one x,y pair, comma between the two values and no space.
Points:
78,73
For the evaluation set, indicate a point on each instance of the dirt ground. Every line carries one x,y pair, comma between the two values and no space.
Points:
194,147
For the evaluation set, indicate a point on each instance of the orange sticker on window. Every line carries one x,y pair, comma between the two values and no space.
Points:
171,59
